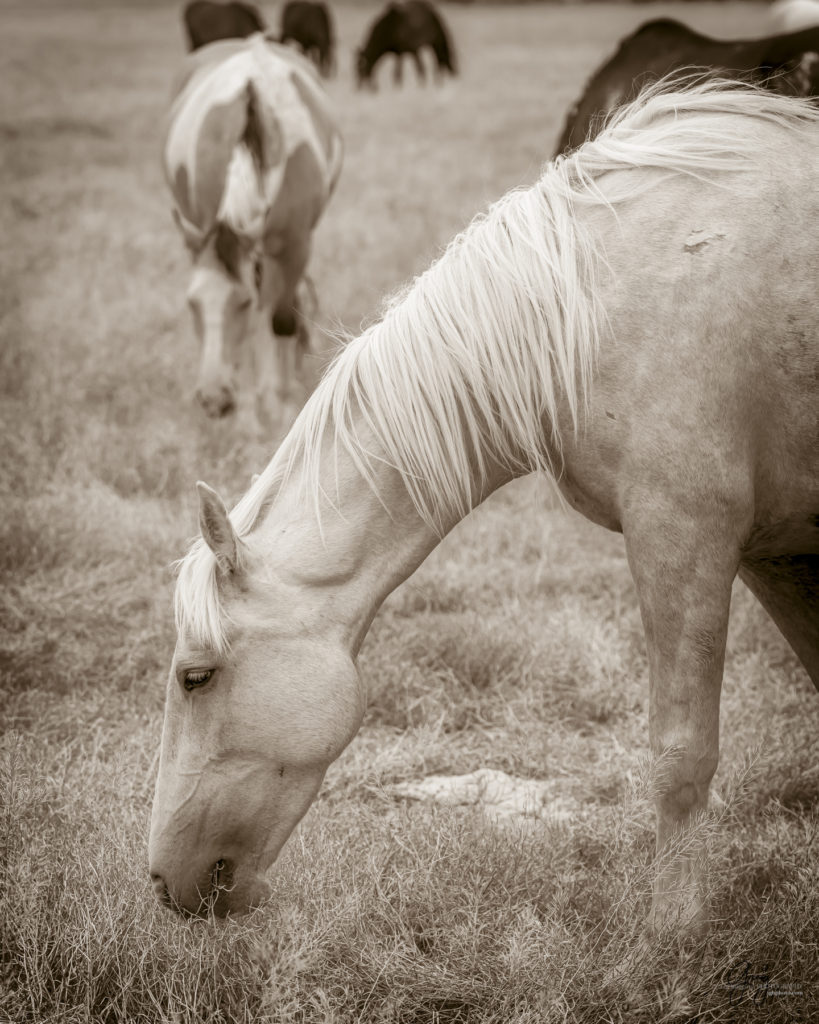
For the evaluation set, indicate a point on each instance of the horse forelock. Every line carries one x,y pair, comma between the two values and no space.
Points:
198,611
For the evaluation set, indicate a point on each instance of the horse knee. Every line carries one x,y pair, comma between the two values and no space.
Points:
683,779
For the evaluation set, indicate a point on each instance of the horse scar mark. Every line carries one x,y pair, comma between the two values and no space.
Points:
699,240
610,415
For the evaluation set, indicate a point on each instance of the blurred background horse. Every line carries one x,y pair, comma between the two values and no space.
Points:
309,25
785,63
251,155
407,27
206,21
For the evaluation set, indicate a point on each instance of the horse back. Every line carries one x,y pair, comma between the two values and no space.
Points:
259,89
707,382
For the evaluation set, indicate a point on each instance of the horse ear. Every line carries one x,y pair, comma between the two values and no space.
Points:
217,529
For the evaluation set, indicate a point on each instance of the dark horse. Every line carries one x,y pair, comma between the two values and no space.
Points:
308,23
784,63
206,21
406,28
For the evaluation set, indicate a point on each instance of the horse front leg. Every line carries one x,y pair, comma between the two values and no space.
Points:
282,383
398,69
683,564
419,66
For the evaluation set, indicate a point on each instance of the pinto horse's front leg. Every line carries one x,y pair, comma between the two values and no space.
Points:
683,563
279,394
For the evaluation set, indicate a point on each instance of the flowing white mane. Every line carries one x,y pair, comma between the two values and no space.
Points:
471,360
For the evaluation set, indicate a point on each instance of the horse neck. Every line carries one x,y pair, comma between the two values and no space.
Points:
367,542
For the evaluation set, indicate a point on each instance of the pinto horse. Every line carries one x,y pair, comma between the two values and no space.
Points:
642,325
251,155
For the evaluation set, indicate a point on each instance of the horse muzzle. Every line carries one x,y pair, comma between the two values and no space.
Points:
214,891
218,401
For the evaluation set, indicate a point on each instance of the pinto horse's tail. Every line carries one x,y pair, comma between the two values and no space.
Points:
244,204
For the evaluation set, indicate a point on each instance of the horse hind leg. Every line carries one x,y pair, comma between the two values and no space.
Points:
787,587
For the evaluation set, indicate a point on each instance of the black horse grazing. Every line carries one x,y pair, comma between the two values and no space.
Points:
786,63
406,28
308,23
206,21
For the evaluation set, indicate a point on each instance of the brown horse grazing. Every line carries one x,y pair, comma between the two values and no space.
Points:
784,63
642,325
308,23
406,27
206,21
251,155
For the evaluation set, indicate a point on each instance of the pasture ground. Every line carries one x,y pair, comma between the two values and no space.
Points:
517,645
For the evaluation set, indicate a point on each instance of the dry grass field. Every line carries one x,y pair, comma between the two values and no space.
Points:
517,646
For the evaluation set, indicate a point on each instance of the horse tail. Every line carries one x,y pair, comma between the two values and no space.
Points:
252,136
243,206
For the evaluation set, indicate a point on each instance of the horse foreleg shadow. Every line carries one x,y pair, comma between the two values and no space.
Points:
787,587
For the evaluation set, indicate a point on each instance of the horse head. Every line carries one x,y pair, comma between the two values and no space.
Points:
225,285
258,705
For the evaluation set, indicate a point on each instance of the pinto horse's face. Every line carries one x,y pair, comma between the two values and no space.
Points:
221,303
248,734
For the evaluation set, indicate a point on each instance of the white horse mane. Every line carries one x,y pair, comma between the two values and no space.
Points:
484,344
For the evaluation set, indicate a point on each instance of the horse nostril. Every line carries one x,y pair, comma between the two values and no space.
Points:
161,889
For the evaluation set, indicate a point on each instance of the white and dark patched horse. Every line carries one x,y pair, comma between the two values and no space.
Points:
642,325
251,154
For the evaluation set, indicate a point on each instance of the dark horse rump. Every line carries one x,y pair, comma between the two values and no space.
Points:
786,63
406,28
206,21
308,23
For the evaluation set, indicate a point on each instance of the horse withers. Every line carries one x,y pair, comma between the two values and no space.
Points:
406,27
251,154
642,325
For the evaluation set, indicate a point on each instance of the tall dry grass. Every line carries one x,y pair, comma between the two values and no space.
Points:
516,646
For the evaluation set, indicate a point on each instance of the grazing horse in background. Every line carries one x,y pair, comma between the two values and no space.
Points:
206,21
642,325
308,23
406,27
787,64
251,155
793,15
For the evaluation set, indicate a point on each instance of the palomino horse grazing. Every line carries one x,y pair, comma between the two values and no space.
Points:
251,155
641,324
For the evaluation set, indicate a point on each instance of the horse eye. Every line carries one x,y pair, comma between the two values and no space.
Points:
194,679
